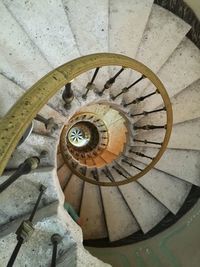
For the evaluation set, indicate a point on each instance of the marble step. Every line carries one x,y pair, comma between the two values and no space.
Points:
148,211
20,58
33,146
92,214
64,174
60,160
73,192
55,41
119,219
167,189
19,198
12,92
183,164
184,135
163,33
185,106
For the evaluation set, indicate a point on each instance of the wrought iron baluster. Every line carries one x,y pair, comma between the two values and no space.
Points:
25,229
126,89
108,174
131,164
68,95
26,167
148,142
145,113
140,99
55,240
50,124
95,174
149,127
140,154
120,172
89,86
110,82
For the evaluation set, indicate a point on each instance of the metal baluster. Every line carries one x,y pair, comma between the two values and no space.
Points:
131,164
148,142
68,96
140,99
150,127
110,82
90,85
26,167
95,174
126,89
55,240
25,229
145,113
108,174
120,172
50,124
140,154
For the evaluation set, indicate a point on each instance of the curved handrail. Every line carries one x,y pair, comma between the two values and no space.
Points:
18,118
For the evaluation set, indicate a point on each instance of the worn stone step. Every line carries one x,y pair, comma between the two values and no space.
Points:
148,211
183,164
53,41
73,192
20,58
64,174
92,214
184,135
167,189
119,219
163,33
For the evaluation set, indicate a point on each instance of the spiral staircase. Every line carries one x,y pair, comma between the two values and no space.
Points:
113,148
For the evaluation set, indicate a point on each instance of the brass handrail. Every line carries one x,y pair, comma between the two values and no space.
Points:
18,118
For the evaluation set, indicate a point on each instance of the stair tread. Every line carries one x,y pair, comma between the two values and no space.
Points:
73,192
179,71
20,52
164,31
64,174
45,36
123,30
184,135
119,219
175,162
169,190
147,210
91,214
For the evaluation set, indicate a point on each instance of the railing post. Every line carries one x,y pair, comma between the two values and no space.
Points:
50,124
67,95
55,239
25,229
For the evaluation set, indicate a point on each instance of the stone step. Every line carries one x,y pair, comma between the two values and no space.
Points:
92,214
148,211
20,59
185,106
53,41
124,36
163,33
183,164
33,146
167,189
91,33
184,135
73,192
60,160
64,174
119,219
180,70
19,198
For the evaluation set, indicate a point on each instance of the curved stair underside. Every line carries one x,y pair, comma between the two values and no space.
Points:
40,36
